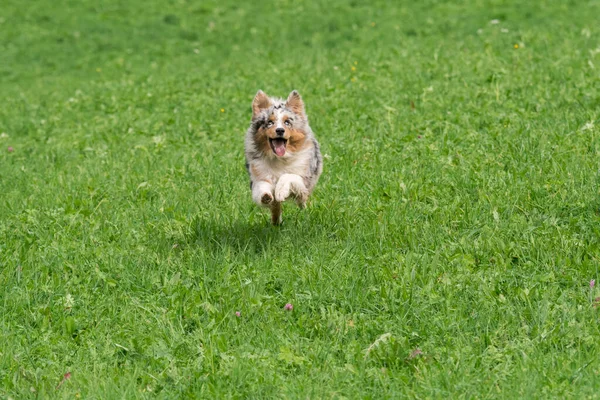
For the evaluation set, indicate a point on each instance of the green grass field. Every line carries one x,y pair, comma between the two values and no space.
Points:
447,251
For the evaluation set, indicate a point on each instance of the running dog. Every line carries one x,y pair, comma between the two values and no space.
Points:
283,157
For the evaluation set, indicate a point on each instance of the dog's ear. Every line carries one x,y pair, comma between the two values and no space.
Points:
260,102
294,102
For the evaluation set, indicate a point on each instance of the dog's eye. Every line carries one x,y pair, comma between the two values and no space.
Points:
287,122
269,124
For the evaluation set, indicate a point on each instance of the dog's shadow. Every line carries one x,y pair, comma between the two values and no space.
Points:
254,237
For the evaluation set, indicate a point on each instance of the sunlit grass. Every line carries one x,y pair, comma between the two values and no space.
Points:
446,252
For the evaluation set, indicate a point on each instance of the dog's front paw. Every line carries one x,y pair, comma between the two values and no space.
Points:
266,198
282,191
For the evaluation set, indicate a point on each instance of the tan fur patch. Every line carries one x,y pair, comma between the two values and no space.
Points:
296,140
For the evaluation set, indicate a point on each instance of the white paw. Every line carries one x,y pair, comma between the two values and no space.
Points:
262,193
291,185
282,191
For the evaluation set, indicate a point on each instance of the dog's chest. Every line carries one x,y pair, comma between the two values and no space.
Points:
268,170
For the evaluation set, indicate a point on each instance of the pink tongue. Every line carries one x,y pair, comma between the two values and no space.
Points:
279,146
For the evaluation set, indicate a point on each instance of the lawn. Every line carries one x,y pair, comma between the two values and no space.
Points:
448,251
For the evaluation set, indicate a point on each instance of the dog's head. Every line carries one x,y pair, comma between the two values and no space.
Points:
280,127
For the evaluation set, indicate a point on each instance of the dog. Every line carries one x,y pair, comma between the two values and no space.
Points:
283,157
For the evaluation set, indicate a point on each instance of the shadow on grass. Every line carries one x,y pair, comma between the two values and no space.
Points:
237,236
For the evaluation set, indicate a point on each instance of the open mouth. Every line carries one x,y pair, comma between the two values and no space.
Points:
278,145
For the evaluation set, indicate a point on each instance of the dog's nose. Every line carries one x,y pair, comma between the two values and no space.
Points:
279,131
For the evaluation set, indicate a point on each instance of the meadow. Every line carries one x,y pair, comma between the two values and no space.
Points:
450,249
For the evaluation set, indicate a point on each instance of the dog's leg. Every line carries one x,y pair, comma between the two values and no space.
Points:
291,185
262,193
276,213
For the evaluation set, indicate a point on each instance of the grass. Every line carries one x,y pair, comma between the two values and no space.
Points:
447,250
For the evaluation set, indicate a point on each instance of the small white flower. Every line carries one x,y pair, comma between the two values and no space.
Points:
588,126
586,32
495,21
69,301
